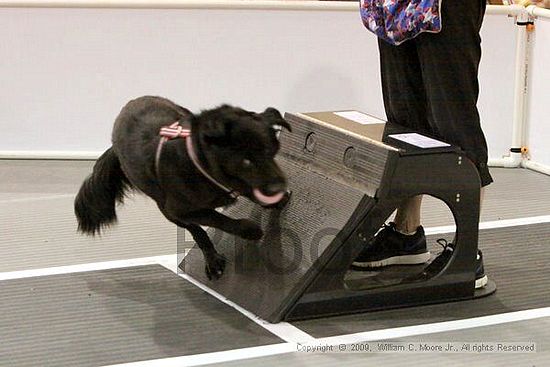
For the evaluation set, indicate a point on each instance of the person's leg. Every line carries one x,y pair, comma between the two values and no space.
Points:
449,62
403,241
427,87
407,218
448,67
403,90
405,104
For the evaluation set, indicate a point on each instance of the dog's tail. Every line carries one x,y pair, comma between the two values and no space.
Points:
95,203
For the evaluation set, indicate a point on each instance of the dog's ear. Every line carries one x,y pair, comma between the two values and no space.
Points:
275,120
216,131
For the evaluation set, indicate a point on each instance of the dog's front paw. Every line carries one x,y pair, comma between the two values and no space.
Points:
215,266
250,230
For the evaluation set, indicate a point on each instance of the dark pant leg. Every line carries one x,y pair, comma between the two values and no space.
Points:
402,87
449,62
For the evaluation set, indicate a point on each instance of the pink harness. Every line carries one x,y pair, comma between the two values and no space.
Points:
175,131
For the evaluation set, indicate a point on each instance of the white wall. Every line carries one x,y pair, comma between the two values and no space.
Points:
496,81
65,73
538,119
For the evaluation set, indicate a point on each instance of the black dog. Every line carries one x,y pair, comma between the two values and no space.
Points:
227,152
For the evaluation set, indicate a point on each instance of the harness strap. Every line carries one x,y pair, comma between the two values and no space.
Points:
175,131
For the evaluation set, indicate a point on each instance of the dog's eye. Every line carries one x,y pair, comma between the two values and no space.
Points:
246,163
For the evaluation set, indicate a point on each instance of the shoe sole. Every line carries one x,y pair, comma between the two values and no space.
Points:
395,260
481,282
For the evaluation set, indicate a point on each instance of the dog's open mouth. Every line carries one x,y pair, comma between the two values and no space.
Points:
268,199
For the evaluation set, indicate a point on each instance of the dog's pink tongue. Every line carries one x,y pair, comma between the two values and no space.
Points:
268,200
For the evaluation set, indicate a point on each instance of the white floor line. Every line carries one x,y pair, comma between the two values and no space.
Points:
283,330
369,336
493,224
291,334
79,268
437,327
215,357
40,198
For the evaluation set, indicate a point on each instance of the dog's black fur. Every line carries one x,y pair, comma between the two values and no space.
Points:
235,146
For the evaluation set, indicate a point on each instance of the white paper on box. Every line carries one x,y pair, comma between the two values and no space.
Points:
419,140
359,117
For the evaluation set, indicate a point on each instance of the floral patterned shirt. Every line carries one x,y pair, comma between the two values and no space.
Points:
397,21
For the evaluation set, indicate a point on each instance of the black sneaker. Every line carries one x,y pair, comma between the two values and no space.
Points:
481,278
389,247
443,258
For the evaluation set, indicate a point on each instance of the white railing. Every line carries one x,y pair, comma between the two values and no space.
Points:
536,11
216,4
523,52
187,4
